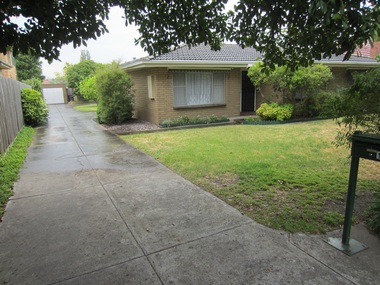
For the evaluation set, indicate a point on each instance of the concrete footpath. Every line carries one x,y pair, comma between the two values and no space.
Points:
90,209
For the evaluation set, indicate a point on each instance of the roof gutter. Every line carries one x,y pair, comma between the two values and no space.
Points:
227,65
187,64
4,65
349,64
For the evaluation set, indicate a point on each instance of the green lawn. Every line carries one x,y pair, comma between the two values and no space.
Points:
287,177
11,162
86,107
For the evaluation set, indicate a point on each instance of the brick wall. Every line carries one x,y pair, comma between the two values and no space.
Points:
145,108
341,78
161,107
375,50
368,50
8,72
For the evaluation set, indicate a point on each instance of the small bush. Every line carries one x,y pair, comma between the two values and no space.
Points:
116,96
373,216
275,112
251,119
187,121
34,108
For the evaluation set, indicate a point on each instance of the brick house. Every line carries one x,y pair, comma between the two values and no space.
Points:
369,50
8,65
199,82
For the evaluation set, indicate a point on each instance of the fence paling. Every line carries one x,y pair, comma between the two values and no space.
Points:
11,118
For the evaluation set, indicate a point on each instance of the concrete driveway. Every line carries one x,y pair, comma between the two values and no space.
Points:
90,209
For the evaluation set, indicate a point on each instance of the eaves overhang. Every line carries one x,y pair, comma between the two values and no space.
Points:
227,65
187,64
349,64
4,65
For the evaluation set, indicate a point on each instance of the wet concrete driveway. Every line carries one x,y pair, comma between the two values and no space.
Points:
90,209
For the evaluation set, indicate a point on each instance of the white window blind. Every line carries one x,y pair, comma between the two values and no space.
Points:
198,88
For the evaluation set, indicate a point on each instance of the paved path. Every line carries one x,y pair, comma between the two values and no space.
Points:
90,209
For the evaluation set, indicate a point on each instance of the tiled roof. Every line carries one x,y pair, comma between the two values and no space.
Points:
228,52
353,58
233,52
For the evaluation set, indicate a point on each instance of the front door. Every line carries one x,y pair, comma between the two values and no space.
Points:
248,94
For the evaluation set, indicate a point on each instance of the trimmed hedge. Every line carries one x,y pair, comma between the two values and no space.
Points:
188,121
275,112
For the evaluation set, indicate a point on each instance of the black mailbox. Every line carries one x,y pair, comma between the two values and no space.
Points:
363,146
366,146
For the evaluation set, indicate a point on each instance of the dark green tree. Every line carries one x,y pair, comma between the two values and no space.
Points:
28,67
286,32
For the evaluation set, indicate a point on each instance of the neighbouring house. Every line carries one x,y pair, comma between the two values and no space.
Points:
369,50
8,65
200,82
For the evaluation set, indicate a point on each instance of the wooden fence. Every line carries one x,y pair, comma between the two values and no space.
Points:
11,119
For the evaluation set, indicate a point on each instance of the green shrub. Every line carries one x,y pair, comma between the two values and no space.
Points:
250,119
35,83
116,96
87,88
34,108
275,112
187,121
300,87
373,216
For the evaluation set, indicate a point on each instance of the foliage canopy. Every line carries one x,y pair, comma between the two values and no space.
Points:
286,32
75,73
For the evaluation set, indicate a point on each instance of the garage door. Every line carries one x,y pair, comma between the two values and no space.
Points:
53,95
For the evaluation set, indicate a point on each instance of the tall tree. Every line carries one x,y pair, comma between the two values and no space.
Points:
85,55
287,32
28,67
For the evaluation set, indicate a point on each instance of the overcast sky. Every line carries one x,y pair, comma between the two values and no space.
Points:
115,45
118,44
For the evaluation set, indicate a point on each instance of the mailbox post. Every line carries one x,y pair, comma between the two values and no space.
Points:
363,146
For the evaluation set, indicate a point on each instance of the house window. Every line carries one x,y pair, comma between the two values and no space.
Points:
195,88
150,87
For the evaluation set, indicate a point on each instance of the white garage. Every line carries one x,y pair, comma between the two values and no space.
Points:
54,93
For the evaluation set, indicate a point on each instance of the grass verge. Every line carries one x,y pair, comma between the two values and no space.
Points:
86,107
11,162
288,177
